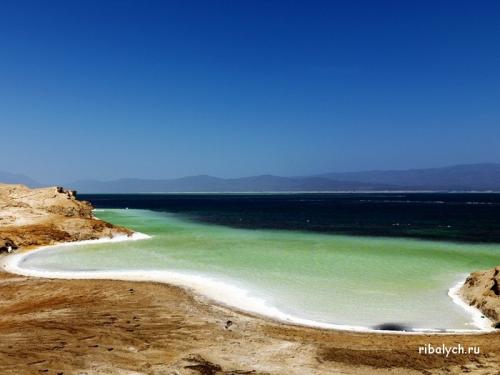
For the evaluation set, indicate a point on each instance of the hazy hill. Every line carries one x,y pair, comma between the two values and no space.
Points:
461,177
12,178
458,177
473,177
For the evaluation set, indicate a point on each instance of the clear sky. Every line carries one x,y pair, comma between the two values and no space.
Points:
110,89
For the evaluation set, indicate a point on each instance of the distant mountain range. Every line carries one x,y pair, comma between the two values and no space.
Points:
12,178
482,177
472,177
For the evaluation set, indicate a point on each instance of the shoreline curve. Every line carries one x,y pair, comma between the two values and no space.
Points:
209,289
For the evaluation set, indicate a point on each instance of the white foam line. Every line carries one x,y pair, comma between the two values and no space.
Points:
478,319
222,292
117,238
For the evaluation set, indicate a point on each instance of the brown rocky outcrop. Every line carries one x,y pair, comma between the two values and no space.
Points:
482,290
35,217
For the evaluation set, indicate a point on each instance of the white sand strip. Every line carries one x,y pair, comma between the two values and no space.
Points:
217,290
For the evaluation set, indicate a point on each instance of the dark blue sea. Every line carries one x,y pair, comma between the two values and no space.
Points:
467,217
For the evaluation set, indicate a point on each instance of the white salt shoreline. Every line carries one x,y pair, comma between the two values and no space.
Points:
226,294
478,318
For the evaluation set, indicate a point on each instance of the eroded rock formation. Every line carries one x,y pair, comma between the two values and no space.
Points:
482,290
34,217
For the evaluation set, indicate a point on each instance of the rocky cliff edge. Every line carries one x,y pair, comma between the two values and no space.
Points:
36,217
482,290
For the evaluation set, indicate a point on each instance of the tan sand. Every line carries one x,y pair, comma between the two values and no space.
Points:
114,327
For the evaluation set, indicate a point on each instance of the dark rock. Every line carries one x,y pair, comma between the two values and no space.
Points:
7,245
204,367
392,327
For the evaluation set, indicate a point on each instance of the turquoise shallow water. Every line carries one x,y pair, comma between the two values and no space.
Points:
357,281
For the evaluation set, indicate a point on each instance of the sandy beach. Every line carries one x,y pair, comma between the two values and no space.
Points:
58,326
118,327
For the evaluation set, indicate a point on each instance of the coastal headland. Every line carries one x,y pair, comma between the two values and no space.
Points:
482,290
122,327
38,217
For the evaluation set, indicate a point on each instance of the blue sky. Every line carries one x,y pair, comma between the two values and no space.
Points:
110,89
